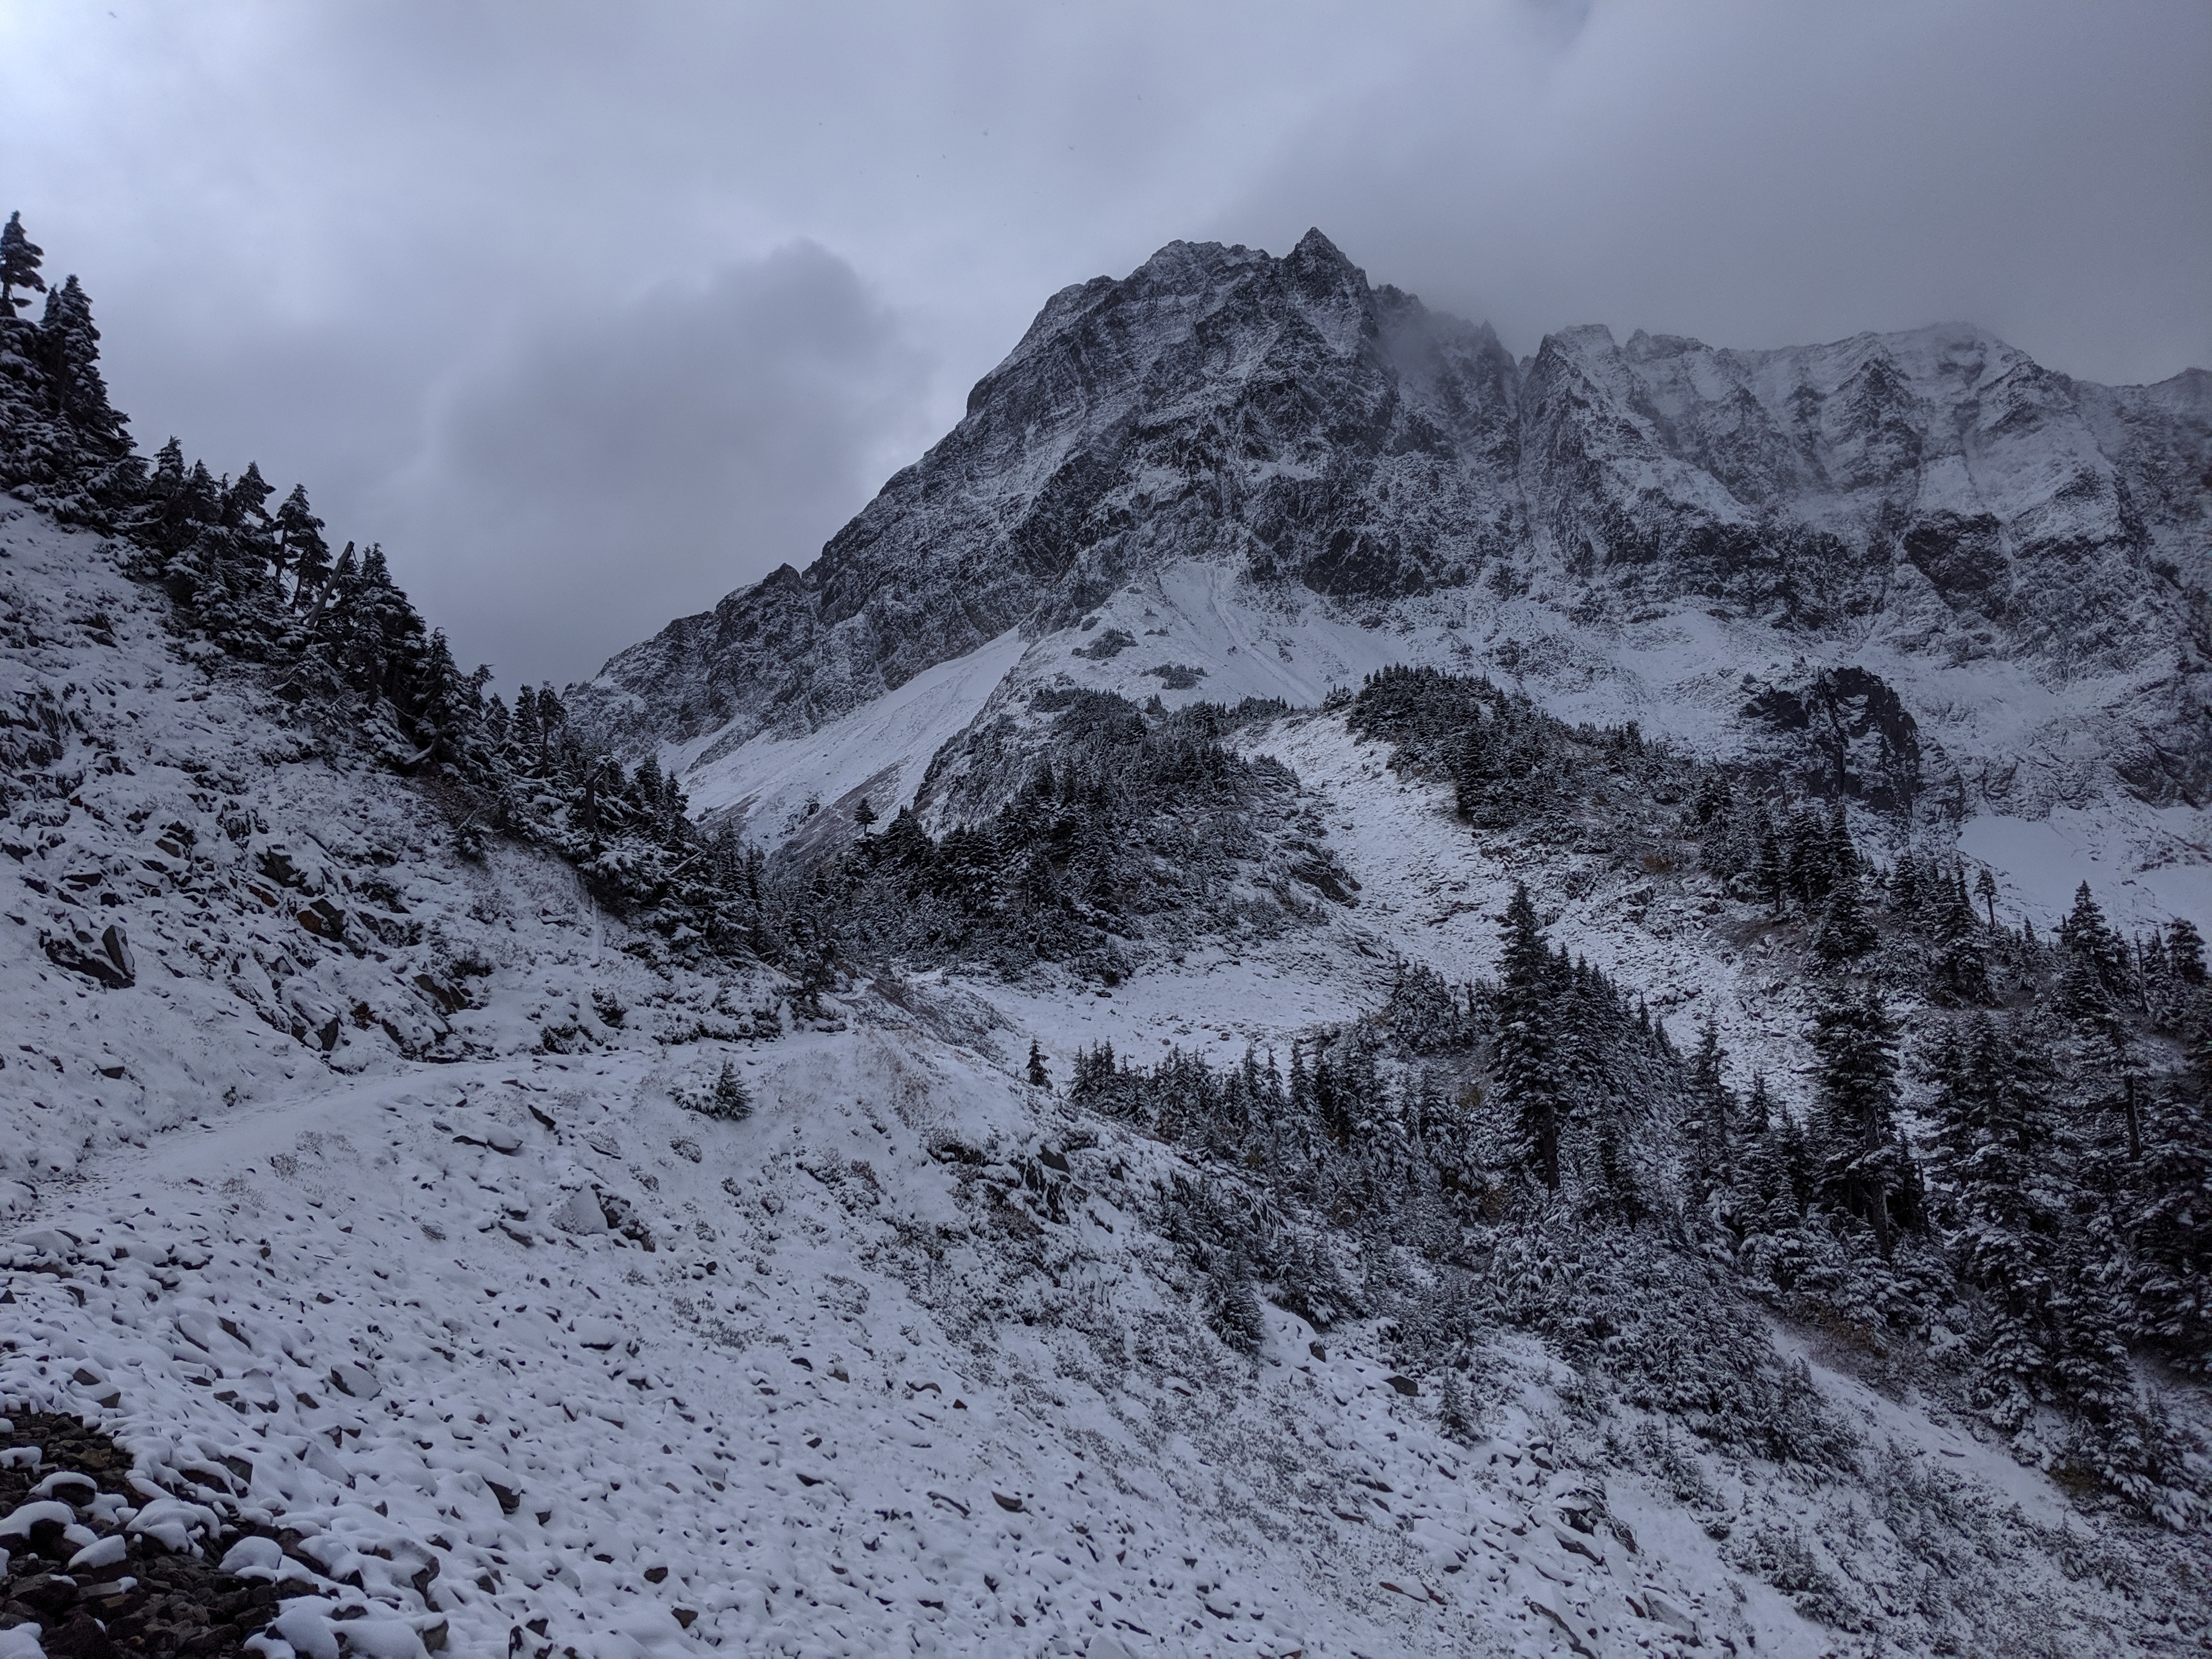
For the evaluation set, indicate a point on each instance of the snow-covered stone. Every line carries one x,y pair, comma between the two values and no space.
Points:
580,1212
601,1333
100,1553
17,1524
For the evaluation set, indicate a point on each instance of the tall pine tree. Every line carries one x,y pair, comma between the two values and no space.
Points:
1989,1152
1854,1045
1530,1088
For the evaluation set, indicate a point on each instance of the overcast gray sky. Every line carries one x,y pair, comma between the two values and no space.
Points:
592,313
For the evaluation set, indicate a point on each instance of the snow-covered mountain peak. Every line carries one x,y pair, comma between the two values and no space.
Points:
1322,440
1271,478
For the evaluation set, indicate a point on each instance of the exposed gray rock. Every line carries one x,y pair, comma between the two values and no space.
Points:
1282,417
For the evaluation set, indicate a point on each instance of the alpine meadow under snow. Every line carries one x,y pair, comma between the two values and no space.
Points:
1319,992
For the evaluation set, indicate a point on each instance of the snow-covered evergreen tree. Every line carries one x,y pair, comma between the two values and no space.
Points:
1528,1090
301,554
1708,1127
1990,1157
2168,1219
77,390
20,259
1846,934
61,443
1863,1167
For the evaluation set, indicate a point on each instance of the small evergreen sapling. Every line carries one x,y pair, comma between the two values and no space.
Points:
728,1101
1039,1077
1452,1415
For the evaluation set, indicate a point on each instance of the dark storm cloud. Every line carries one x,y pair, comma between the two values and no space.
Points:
1761,175
582,475
439,260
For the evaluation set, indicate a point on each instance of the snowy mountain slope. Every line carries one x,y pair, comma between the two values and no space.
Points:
2016,769
1430,893
773,786
896,1411
1228,642
257,903
392,1293
1810,482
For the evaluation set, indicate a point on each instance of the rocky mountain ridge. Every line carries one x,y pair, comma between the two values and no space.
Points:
1323,447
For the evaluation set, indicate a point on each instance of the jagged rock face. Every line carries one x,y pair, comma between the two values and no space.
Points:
1216,403
1845,737
1938,476
1282,417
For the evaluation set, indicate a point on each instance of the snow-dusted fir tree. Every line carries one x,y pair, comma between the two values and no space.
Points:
1771,1166
20,258
61,443
2170,1219
1708,1127
1863,1167
78,391
302,555
1990,1154
1846,934
1529,1089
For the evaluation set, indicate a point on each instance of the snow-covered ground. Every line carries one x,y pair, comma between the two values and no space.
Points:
768,1429
2146,865
772,788
1434,894
355,1242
